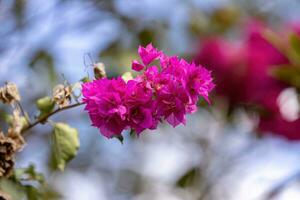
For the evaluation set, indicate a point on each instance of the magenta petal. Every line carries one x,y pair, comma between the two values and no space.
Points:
148,54
137,66
148,121
171,119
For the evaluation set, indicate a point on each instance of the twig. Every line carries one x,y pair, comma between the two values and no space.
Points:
275,191
44,118
23,112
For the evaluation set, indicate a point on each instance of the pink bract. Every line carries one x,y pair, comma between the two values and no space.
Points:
148,54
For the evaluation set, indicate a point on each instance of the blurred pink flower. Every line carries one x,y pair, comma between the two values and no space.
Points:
226,60
242,73
261,57
277,125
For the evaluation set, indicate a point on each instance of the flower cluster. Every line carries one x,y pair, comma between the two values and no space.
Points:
166,92
242,69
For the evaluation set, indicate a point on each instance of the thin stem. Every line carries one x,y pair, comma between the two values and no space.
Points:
44,118
23,112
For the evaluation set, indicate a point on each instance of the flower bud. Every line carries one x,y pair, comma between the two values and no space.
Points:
7,151
62,95
127,76
45,104
99,71
9,93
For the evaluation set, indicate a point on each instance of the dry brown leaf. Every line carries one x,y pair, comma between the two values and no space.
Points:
4,196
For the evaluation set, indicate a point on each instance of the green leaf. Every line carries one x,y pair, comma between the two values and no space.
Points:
29,174
32,184
120,138
85,79
45,105
146,36
287,74
41,193
132,133
15,190
188,178
32,193
65,144
9,119
295,44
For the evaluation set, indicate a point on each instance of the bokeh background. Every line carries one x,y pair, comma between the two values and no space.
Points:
244,146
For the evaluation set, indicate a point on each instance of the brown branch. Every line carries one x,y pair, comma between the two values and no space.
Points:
44,118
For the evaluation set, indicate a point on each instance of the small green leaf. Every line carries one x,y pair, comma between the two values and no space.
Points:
9,119
146,36
120,138
287,74
85,79
65,144
29,174
32,193
45,104
187,179
132,133
295,43
15,190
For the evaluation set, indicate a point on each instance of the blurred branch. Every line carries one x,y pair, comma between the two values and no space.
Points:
217,175
44,118
275,191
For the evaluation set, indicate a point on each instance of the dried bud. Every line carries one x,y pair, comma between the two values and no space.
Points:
17,121
4,196
7,146
17,138
7,151
99,71
9,93
6,166
62,95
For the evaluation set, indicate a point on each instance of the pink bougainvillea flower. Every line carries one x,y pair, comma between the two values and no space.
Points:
168,92
141,108
172,100
148,54
199,82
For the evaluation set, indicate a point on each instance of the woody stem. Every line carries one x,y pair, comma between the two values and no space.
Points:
45,117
